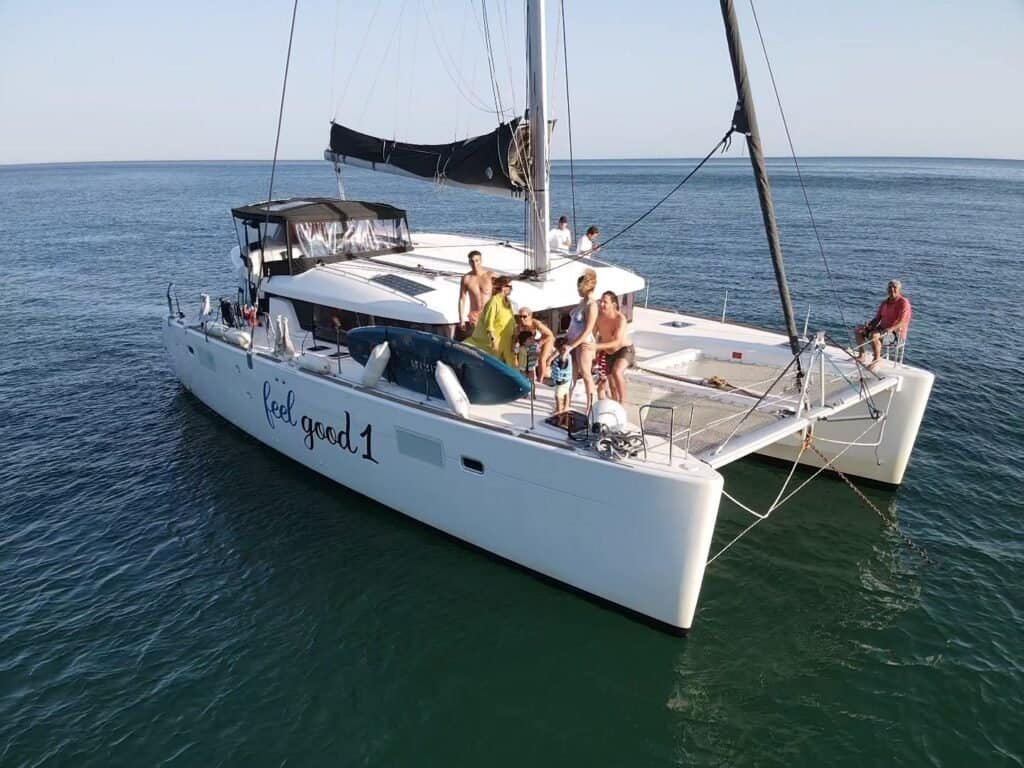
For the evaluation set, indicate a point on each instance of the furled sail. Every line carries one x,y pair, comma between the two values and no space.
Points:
497,162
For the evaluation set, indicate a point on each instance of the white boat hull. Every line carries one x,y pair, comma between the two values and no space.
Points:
880,449
637,537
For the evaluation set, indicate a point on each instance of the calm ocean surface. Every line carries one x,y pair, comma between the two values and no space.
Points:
172,593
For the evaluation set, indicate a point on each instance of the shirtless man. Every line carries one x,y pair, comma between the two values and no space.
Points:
612,331
476,286
546,341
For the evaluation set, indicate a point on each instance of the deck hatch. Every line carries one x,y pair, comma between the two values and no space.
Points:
402,284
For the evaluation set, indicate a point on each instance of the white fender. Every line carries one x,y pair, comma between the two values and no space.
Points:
452,389
238,336
215,329
312,362
375,364
278,342
204,302
287,347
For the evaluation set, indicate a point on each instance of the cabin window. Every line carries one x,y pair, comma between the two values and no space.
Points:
331,324
326,322
351,238
473,465
303,313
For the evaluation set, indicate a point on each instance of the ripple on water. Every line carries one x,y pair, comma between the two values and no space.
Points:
173,594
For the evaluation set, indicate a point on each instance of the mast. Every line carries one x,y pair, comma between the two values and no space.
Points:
537,202
744,121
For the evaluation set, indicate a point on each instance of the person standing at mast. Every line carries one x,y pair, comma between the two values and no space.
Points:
474,290
560,238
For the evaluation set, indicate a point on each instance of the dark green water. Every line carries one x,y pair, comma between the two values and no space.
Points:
172,593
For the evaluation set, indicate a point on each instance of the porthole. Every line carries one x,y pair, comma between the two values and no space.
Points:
473,465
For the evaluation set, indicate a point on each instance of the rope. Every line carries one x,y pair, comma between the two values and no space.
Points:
454,69
799,176
568,116
495,88
273,165
774,505
280,111
723,142
808,442
753,408
359,56
383,59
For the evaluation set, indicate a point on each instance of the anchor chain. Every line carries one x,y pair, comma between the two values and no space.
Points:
890,524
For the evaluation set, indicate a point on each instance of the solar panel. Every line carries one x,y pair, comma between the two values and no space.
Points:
402,284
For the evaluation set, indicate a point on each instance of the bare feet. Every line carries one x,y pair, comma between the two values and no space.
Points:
874,364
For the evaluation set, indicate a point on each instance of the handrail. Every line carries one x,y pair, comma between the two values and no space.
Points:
643,410
170,308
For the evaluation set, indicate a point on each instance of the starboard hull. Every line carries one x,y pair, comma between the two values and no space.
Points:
638,538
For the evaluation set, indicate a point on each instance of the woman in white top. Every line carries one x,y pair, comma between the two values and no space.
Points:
581,333
587,243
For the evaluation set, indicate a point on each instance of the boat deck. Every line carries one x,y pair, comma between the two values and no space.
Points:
701,389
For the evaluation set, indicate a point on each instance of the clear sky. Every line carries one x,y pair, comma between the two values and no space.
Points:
129,80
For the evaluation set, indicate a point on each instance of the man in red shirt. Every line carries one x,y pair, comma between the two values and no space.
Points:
893,316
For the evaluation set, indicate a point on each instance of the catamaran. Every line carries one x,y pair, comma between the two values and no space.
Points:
623,505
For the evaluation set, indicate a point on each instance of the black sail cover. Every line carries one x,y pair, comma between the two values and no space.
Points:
497,162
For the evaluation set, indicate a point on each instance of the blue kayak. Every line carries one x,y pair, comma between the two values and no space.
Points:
486,380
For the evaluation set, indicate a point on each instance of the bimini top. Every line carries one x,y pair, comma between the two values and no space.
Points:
316,209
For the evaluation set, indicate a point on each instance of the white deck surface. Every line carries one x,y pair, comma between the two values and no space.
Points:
719,412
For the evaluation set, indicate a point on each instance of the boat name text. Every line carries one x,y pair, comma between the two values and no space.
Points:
341,435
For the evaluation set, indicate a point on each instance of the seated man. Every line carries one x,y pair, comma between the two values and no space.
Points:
893,316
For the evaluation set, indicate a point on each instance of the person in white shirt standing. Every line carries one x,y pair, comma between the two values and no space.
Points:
588,243
560,238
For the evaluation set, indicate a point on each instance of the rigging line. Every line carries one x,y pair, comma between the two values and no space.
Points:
495,89
413,67
462,50
359,55
383,58
504,25
464,88
754,407
799,175
397,78
280,111
721,143
568,117
273,170
830,464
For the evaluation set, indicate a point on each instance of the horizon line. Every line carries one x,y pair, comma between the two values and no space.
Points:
557,159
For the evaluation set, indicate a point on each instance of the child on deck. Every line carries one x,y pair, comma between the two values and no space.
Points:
561,374
527,354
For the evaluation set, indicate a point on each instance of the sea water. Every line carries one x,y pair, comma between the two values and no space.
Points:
174,593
